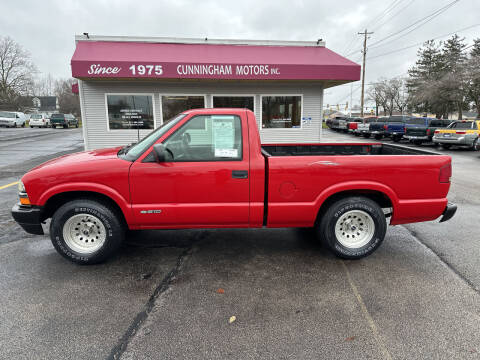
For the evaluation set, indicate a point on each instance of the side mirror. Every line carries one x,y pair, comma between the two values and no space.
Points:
159,152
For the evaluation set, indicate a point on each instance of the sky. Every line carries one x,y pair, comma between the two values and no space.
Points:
47,28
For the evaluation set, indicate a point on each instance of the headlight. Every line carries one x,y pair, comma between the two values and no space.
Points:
21,187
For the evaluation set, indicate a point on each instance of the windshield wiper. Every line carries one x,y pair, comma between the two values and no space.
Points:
125,149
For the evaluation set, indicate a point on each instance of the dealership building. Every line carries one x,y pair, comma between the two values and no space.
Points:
129,85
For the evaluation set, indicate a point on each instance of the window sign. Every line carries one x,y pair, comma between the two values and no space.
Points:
281,112
224,136
130,111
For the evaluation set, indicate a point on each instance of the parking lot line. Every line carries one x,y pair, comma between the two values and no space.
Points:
8,185
368,317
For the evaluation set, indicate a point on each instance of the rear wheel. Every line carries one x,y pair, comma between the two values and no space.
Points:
378,137
417,142
353,227
396,138
366,136
446,146
86,231
475,146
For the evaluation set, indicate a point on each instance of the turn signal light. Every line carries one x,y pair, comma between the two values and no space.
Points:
25,201
445,173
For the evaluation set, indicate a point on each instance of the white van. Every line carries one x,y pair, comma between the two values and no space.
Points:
12,119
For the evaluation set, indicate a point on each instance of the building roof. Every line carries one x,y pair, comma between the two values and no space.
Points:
123,57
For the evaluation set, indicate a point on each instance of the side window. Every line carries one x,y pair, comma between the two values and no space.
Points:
207,138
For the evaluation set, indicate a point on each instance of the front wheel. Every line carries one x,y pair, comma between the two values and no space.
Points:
353,227
86,231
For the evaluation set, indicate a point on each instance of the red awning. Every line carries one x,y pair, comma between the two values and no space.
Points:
127,59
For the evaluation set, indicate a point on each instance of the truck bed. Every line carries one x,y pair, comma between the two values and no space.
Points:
340,149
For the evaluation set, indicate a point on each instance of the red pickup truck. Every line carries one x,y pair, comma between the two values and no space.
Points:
206,168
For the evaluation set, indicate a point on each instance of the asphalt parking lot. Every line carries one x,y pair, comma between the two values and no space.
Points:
170,294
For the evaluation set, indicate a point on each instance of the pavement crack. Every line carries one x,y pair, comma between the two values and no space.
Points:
140,318
376,335
442,259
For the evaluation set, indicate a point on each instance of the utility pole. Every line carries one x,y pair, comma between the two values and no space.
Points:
365,33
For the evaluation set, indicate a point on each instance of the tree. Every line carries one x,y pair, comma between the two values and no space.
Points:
453,83
68,102
473,72
389,94
16,72
44,86
423,77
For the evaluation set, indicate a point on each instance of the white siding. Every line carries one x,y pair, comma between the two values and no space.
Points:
94,113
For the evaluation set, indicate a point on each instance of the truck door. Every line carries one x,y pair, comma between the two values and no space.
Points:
204,181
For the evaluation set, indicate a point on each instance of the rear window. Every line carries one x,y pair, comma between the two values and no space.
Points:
36,116
462,125
439,123
57,116
416,121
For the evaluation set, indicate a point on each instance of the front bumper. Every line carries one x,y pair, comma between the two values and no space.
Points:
449,211
29,218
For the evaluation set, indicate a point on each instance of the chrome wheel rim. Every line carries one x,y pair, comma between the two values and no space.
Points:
354,229
84,233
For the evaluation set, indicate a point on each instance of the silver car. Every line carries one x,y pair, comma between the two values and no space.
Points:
459,133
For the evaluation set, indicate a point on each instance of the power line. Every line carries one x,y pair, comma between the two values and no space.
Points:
428,18
420,43
391,17
383,13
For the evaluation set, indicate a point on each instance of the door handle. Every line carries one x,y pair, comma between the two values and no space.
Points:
240,174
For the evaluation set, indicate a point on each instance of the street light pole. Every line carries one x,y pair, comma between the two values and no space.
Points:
365,33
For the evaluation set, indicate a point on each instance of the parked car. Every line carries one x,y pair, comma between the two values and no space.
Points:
363,128
64,120
396,126
39,120
12,118
174,179
378,128
352,125
459,133
342,123
422,129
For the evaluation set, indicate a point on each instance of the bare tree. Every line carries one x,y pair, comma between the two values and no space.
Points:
16,72
390,94
68,102
44,86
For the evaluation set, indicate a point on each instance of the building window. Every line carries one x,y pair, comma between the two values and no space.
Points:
172,105
130,112
220,139
244,102
281,112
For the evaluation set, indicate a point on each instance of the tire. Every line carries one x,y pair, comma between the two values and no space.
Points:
53,126
396,138
76,125
100,242
358,211
65,126
446,146
366,136
417,142
378,137
476,145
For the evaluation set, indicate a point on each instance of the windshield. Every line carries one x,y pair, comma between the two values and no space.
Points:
57,116
138,149
6,114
